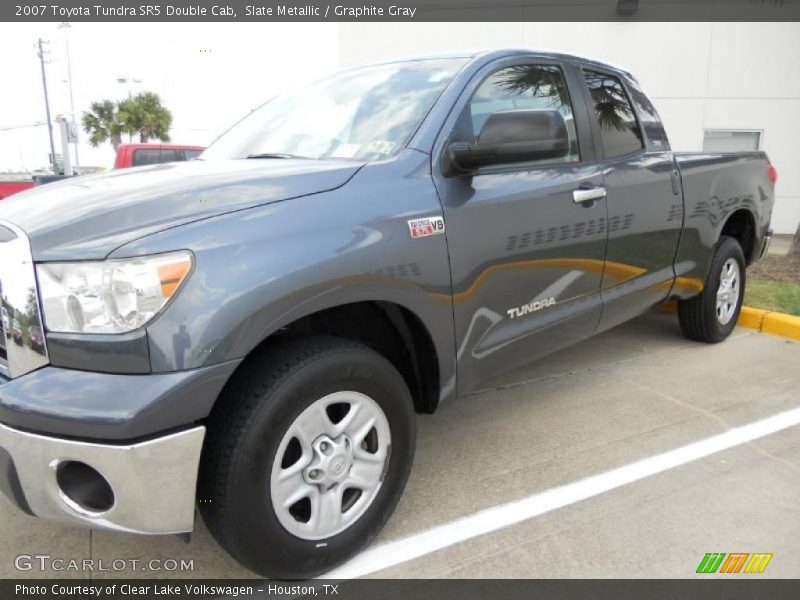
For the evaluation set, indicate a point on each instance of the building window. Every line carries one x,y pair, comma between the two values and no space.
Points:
726,140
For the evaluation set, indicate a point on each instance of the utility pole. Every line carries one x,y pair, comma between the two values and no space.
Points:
47,106
64,127
65,26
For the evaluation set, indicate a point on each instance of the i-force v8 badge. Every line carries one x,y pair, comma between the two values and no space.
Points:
426,226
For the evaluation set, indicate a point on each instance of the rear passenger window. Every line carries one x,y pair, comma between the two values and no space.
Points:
619,131
648,118
154,156
521,87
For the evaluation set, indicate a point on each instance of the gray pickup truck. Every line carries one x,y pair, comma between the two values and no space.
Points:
253,332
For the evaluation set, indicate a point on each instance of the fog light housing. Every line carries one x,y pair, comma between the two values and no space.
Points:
84,487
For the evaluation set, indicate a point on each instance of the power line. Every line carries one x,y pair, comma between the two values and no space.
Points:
10,127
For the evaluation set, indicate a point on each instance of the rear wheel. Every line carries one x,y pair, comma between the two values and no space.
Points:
306,456
712,315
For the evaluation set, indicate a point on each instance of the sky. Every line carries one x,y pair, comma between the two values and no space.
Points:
208,74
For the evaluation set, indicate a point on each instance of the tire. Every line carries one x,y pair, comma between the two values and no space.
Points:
260,425
702,318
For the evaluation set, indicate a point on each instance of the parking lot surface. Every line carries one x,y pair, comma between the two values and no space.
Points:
631,394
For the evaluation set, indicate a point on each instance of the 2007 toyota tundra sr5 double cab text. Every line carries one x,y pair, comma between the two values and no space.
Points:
254,332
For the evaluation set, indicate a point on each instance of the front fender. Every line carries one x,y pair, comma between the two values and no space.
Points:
261,269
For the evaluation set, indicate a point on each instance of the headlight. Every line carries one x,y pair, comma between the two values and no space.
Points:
111,296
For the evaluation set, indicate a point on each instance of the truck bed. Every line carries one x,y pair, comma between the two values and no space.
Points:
715,186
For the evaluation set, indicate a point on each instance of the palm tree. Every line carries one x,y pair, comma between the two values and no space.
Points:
144,114
102,124
543,81
611,104
538,81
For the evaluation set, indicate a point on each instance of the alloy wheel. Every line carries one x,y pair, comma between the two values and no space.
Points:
330,465
729,291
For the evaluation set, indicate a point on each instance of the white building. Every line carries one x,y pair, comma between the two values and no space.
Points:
718,86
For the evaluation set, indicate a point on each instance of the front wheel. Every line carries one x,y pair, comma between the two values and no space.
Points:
712,315
306,456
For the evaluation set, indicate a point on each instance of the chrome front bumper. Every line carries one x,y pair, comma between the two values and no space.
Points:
153,482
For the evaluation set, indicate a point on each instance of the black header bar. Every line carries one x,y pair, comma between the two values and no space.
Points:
398,10
404,589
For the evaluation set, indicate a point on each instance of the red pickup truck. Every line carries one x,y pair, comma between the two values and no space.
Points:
128,155
138,155
12,186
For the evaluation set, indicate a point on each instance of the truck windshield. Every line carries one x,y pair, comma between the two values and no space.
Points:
364,114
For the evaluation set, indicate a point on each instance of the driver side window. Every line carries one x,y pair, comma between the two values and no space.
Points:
520,87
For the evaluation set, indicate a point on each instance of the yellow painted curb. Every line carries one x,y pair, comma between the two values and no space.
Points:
752,318
763,321
780,324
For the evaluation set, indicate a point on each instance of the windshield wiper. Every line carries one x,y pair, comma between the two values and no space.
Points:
275,155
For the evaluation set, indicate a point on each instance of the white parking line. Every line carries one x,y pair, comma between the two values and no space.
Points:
498,517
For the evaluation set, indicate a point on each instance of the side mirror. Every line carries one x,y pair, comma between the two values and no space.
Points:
511,137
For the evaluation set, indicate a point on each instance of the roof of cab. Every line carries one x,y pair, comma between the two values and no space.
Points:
507,52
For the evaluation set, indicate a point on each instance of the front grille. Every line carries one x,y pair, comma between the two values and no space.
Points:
5,330
5,371
22,345
3,335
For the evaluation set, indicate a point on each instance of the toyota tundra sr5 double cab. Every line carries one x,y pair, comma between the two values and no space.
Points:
254,332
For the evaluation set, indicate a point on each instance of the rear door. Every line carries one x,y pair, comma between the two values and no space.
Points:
645,205
526,258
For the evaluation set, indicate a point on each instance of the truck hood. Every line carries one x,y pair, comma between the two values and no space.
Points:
88,217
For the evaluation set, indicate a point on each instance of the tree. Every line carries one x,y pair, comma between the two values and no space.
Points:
610,102
536,81
144,114
102,124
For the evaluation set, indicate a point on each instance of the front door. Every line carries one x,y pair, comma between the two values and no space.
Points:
526,255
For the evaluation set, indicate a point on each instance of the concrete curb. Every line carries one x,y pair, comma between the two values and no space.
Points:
763,321
780,324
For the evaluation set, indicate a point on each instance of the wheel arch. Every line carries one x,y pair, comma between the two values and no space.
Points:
389,328
741,225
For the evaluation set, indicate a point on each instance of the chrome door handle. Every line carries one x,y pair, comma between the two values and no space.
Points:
597,193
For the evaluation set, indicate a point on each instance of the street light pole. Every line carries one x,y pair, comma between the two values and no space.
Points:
127,81
65,26
47,106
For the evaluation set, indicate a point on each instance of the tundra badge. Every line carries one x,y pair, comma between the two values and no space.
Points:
531,307
426,226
